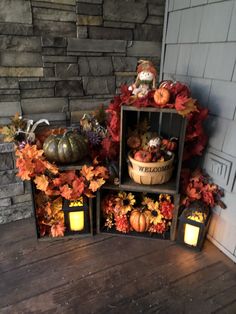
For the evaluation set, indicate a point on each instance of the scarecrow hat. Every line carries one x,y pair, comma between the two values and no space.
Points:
145,65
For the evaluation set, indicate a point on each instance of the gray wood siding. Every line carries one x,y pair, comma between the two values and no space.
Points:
200,49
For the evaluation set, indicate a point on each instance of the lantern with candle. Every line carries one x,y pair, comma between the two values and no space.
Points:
76,216
193,225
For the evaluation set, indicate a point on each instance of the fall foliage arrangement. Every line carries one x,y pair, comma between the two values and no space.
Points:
98,135
126,212
52,185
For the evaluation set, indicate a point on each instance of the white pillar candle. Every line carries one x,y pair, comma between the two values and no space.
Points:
191,234
76,221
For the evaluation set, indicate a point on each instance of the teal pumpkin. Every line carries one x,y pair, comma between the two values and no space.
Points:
66,148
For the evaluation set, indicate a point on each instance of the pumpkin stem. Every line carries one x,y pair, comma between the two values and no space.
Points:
142,208
67,132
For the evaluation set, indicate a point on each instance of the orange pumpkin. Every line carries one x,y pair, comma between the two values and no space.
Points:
139,220
161,96
170,145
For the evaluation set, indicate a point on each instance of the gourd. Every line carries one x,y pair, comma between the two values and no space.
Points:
139,220
66,148
169,144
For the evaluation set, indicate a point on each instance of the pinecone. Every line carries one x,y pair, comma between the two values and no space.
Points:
94,138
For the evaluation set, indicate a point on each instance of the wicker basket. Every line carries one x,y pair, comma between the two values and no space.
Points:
150,172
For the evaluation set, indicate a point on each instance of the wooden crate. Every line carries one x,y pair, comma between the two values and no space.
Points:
167,123
169,235
82,235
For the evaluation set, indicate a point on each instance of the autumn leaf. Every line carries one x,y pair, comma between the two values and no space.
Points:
18,122
78,185
208,198
186,107
52,168
193,193
101,171
47,209
88,193
25,168
96,184
31,152
39,166
66,191
87,172
16,117
68,176
110,148
41,182
51,191
8,133
57,205
180,102
77,188
96,161
57,229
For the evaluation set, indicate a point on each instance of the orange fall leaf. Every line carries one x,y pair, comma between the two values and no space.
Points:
41,182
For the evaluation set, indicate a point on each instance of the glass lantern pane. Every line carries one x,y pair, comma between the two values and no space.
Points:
191,234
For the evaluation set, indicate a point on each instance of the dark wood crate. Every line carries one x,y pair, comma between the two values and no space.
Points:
169,235
167,123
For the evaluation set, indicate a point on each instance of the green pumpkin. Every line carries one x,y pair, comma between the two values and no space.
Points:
66,148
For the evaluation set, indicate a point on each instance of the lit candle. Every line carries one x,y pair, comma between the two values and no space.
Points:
76,221
191,234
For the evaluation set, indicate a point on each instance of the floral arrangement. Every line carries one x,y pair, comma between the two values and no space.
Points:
197,186
118,208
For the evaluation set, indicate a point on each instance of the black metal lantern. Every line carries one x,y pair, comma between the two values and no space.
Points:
76,216
193,225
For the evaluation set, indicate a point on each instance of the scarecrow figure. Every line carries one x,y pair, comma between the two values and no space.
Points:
146,79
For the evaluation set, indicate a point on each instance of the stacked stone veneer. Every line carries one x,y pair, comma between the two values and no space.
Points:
58,57
200,49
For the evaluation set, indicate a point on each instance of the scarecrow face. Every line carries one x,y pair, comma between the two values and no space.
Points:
146,76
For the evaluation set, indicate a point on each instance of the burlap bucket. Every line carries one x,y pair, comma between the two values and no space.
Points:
150,172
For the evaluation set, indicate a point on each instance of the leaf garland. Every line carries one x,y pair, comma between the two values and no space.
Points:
32,164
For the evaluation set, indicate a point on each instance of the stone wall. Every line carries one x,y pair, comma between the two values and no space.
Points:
61,56
201,50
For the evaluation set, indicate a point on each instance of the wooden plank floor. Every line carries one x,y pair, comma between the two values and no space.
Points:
108,274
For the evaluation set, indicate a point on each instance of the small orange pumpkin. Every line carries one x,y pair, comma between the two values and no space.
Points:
139,220
161,96
170,145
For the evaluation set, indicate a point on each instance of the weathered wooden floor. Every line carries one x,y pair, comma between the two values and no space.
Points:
108,274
